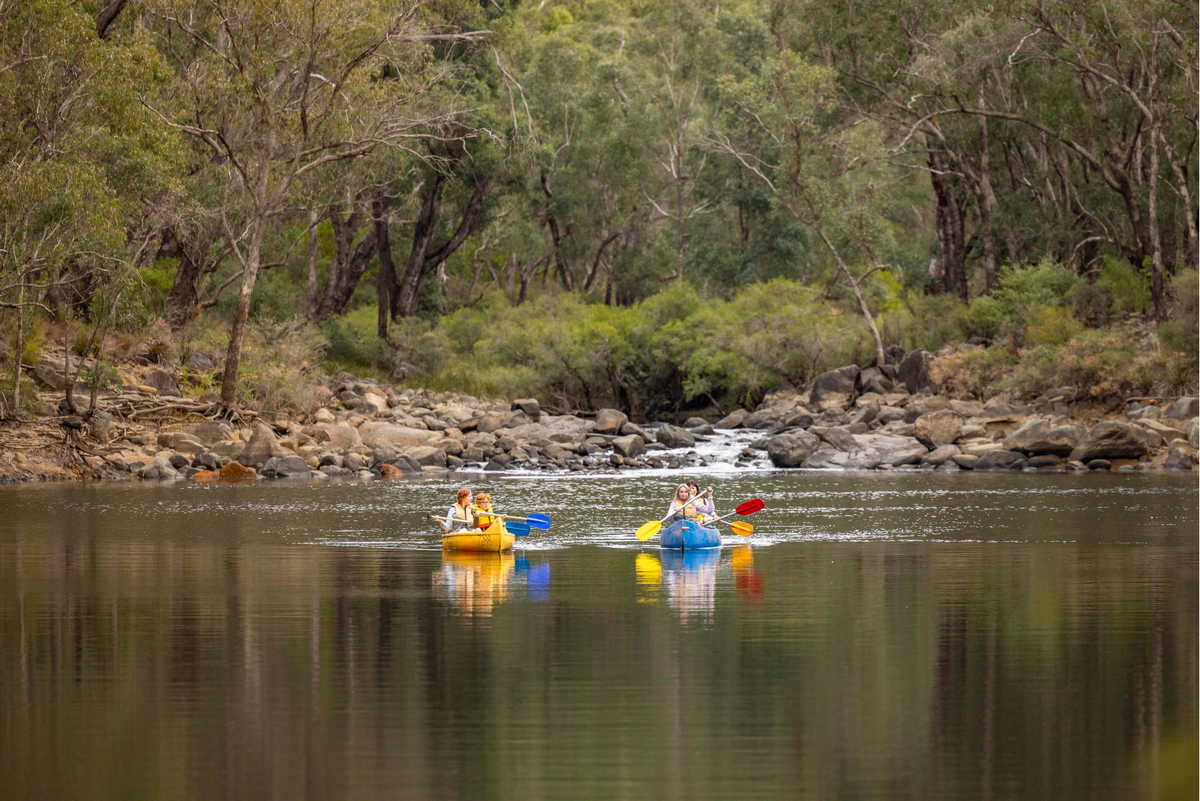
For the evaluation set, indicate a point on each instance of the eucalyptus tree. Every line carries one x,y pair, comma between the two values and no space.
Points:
279,90
82,166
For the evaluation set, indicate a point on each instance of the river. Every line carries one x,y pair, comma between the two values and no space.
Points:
906,635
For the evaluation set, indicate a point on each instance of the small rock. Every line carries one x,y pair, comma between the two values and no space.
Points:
236,471
1099,464
530,406
609,421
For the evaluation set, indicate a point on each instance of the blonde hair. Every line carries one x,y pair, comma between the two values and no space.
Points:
483,498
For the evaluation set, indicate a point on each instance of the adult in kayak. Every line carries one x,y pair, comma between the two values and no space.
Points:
460,517
705,506
682,506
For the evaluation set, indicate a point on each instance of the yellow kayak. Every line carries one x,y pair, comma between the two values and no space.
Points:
494,538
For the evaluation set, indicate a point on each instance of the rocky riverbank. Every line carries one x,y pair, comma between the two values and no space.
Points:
850,418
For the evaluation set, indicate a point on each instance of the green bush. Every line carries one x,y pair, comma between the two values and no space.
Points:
985,317
1179,335
352,343
1128,287
1050,325
925,322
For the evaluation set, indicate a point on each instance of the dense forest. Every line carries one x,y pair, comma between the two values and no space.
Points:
617,202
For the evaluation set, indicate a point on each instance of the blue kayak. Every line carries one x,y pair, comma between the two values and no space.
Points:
686,534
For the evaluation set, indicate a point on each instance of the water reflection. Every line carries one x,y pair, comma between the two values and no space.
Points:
748,581
474,582
690,579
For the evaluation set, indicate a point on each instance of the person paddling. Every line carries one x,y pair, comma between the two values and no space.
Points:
705,506
682,507
460,517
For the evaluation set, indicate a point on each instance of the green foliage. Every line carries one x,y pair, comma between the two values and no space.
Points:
925,322
1050,325
1180,334
352,344
985,317
1128,287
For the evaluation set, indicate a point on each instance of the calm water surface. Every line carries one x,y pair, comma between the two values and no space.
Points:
879,636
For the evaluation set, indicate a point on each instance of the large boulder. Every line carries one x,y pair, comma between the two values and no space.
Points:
914,372
530,406
377,433
340,437
835,389
609,421
675,437
1111,440
262,446
766,417
373,403
827,457
494,421
791,449
880,380
210,431
629,445
732,420
1042,436
285,467
940,455
1000,459
938,428
1182,456
163,381
1183,409
180,441
427,455
837,437
1168,433
892,449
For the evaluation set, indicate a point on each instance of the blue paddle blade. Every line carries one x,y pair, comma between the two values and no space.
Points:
538,521
517,528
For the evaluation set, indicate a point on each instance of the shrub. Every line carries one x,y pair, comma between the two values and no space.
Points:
925,322
352,344
1128,288
971,371
985,317
277,362
1180,335
1050,325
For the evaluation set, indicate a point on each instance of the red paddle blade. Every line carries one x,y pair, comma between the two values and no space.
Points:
750,507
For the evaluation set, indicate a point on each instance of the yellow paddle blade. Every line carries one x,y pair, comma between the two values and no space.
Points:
647,530
745,529
647,569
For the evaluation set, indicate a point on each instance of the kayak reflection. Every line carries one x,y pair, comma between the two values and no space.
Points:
690,579
474,582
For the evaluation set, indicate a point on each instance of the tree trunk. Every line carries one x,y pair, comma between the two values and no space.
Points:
349,262
405,299
423,258
560,265
314,217
233,355
1158,289
386,280
950,228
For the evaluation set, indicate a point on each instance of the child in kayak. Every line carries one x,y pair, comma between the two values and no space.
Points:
483,511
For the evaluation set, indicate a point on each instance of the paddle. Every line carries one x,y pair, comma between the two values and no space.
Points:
517,529
740,527
744,508
648,530
538,521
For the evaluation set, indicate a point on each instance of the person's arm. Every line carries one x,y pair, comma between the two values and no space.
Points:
707,506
